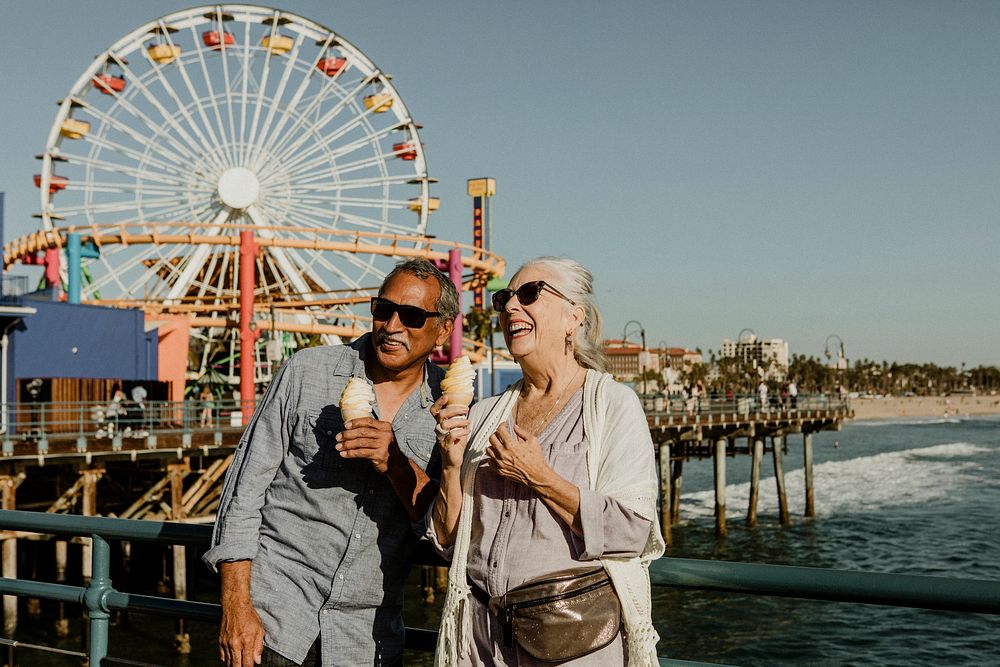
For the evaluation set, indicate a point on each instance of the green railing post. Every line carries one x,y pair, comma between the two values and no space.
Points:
95,597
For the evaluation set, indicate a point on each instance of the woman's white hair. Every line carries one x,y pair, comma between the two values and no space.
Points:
576,282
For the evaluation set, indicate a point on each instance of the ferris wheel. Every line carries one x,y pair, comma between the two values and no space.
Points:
223,118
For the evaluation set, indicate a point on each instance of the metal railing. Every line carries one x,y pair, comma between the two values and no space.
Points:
743,404
13,289
99,597
38,422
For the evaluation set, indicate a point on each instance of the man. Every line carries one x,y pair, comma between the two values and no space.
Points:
313,537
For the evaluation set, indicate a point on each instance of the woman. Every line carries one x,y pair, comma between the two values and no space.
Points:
556,472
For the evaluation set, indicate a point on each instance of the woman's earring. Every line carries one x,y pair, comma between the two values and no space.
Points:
569,343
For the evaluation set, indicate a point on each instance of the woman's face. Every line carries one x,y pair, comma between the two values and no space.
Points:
538,330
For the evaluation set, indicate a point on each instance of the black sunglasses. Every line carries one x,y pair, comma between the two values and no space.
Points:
411,316
527,294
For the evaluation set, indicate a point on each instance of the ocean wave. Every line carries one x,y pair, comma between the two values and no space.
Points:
865,484
915,421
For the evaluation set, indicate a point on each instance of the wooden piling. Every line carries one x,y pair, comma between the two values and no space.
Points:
675,491
665,497
807,459
777,445
90,479
8,488
176,473
720,487
758,454
62,623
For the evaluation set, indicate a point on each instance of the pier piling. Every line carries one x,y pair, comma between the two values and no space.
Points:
8,488
675,491
807,459
758,454
777,447
665,497
720,487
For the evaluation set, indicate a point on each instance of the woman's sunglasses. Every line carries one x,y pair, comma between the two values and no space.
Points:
527,294
411,316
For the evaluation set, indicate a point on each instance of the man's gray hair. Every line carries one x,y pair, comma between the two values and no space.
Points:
576,282
447,301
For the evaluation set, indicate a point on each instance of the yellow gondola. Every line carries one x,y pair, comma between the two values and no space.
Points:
163,54
378,102
279,44
72,128
433,204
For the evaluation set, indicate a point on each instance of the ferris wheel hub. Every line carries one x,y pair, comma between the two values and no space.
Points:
238,188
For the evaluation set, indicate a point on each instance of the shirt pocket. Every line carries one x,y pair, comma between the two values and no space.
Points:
419,447
319,439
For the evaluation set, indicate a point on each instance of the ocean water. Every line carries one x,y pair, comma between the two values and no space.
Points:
917,496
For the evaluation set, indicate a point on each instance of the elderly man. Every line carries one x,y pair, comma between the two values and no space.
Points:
313,537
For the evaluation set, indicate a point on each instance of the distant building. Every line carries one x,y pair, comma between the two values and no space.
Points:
770,355
627,360
678,358
623,358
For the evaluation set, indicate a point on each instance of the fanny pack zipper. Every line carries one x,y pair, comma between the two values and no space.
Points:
510,609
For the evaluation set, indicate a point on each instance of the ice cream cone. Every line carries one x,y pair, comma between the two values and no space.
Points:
457,384
356,401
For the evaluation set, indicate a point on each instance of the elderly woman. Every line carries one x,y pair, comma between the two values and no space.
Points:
555,473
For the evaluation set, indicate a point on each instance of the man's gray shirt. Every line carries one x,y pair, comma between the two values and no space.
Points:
329,539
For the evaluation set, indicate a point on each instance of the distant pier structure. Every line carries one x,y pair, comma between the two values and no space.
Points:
715,429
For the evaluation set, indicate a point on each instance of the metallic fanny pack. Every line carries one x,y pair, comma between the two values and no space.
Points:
561,616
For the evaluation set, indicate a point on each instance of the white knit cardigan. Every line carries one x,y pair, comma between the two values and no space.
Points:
621,465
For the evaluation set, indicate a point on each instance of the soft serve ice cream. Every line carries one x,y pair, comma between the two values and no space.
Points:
458,382
356,401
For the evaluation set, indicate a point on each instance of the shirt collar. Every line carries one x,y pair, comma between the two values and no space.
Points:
354,365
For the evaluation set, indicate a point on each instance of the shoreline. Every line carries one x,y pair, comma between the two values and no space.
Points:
924,406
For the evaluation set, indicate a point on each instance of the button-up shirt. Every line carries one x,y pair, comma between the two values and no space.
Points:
330,541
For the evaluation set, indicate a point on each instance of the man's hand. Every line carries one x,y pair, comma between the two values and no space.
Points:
368,438
241,635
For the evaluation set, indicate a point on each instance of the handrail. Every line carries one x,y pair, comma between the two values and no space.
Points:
99,597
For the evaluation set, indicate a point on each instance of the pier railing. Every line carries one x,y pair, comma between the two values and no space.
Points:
100,597
89,422
742,404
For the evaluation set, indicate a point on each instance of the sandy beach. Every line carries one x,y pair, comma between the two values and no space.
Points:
925,406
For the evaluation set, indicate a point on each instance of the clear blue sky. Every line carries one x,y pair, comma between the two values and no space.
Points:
798,168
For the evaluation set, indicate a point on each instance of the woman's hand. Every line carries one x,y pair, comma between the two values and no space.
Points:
517,456
452,431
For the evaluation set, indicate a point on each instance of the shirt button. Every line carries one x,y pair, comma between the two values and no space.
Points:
371,492
357,535
325,612
329,432
494,563
507,513
340,576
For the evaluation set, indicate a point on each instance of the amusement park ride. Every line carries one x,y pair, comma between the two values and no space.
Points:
237,129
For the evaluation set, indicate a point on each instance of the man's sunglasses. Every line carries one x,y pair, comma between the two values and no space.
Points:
411,316
527,294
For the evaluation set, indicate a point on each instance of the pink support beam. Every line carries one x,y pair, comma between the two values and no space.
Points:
248,257
455,273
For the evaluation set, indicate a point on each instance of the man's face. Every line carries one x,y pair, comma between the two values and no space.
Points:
398,347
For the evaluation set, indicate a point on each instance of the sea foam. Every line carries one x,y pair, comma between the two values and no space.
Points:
861,485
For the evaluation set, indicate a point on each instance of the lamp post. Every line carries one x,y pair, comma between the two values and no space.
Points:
642,354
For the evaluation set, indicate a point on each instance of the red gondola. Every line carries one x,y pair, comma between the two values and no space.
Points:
215,40
109,84
405,151
56,183
332,65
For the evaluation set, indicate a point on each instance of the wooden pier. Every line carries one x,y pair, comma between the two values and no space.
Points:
717,429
